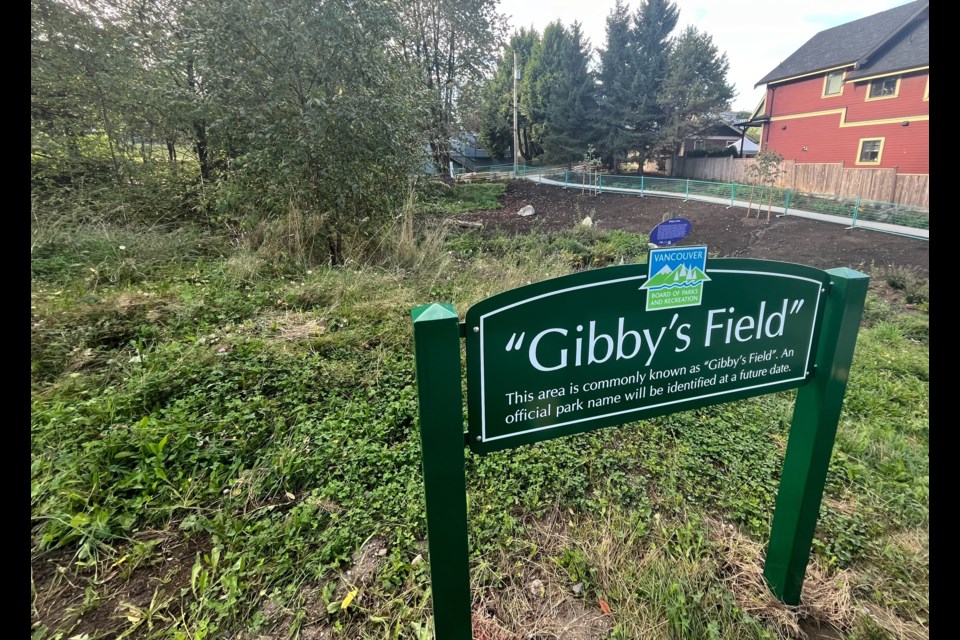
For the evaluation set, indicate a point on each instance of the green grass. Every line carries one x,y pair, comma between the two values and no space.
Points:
266,414
441,198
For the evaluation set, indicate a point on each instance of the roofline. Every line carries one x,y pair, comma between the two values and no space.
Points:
806,74
866,57
887,74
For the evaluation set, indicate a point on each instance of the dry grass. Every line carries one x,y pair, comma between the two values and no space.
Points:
535,599
825,600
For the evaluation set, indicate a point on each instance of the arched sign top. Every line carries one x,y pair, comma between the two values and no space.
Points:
609,346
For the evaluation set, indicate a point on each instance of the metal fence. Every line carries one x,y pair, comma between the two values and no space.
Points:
853,211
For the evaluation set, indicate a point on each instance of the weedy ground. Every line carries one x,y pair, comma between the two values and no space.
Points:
225,445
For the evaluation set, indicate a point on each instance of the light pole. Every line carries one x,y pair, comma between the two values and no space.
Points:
516,136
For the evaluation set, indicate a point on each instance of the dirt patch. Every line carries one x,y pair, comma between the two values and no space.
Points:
729,233
117,597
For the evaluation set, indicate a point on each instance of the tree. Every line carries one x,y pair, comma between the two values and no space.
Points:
571,108
450,44
294,106
695,90
652,25
315,107
766,170
616,127
497,131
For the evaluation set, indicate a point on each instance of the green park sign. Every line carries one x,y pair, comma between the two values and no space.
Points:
609,346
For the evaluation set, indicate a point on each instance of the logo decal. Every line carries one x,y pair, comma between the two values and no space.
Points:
676,277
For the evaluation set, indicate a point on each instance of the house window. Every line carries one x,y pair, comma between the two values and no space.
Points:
883,88
833,84
870,151
698,144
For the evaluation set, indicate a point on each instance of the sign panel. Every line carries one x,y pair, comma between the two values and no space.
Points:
614,345
670,232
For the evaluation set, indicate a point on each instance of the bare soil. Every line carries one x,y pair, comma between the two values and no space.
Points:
727,232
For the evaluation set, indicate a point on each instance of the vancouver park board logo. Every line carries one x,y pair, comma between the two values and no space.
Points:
676,277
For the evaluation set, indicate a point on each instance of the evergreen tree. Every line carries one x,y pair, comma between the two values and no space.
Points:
695,90
653,23
572,109
616,126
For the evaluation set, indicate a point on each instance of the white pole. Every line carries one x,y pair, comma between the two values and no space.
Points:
516,139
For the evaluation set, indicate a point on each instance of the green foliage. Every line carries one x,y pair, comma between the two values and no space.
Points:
267,411
441,198
617,74
720,153
579,247
696,86
497,132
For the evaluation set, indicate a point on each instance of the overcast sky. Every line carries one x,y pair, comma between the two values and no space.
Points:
755,36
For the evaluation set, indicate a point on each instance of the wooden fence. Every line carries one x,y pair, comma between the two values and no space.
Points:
881,185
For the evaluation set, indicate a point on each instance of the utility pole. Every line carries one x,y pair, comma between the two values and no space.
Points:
516,134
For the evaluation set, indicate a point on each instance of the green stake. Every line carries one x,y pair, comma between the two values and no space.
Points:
436,339
812,433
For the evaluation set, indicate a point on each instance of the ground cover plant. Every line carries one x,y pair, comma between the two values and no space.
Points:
224,444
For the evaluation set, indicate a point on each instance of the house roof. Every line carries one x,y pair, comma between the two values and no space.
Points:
720,130
749,146
891,40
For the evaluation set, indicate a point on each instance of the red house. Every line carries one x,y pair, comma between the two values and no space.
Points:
856,94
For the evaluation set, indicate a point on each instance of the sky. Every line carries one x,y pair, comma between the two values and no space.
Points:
755,36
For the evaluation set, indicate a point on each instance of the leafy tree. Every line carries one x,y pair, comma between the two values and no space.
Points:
450,44
497,118
765,170
315,108
293,106
695,90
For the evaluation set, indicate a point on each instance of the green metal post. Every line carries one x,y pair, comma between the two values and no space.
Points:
812,433
436,340
599,183
687,194
641,186
733,193
566,177
786,204
856,212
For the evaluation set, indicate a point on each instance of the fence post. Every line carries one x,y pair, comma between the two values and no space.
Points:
856,213
641,186
599,183
786,204
566,176
733,193
687,194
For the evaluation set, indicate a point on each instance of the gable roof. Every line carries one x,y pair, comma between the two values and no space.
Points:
891,40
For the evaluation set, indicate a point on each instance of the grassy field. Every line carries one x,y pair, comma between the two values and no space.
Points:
224,445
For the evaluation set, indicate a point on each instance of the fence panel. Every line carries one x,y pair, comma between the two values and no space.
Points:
913,190
825,178
869,184
818,177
